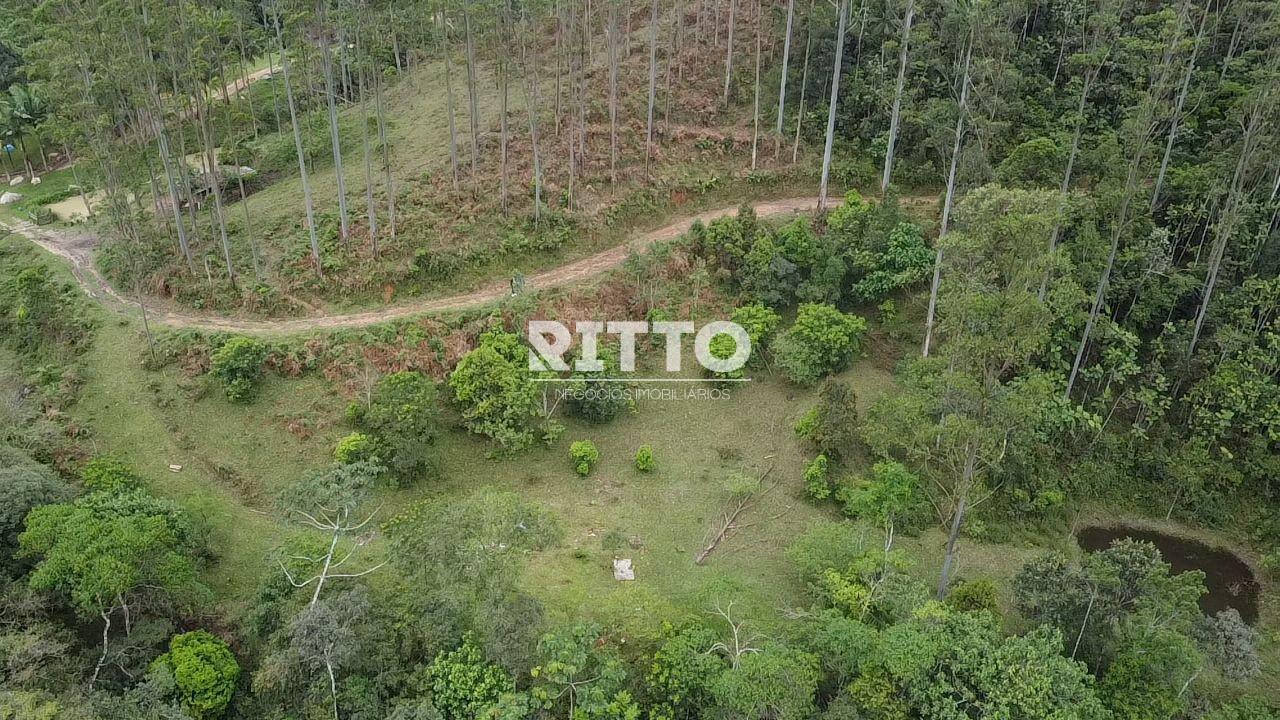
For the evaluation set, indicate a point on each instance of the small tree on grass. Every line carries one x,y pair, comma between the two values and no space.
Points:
585,456
975,596
403,418
644,459
238,365
723,347
823,340
597,401
492,386
109,474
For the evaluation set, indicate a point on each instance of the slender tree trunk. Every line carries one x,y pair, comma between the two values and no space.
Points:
950,196
166,161
448,89
755,121
653,76
386,156
834,101
298,148
333,684
1093,596
335,138
728,54
215,182
559,56
368,164
84,197
1227,222
895,113
1066,175
957,521
275,95
613,32
502,122
244,77
804,86
531,103
782,83
673,58
471,90
1101,294
1231,47
102,658
1177,110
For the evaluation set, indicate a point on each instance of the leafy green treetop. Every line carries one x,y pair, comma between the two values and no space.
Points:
205,673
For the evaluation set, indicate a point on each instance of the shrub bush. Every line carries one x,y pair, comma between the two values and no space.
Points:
817,481
463,683
760,322
723,347
644,459
832,425
823,340
492,388
204,672
108,474
403,418
356,447
599,402
585,456
238,365
975,596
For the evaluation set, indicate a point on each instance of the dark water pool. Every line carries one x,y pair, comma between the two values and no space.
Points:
1228,579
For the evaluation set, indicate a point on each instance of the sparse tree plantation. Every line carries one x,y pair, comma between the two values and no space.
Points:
894,360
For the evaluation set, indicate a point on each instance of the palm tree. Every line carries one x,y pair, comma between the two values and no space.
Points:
23,110
6,136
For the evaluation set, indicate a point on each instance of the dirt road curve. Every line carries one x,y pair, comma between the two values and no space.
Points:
76,247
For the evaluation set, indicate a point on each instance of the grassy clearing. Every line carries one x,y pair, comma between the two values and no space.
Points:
236,457
232,457
55,186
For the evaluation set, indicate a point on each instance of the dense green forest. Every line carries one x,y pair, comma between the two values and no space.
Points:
249,470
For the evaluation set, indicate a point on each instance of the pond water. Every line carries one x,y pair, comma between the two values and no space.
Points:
1229,580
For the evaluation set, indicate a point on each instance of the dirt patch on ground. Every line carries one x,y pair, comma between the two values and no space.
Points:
73,208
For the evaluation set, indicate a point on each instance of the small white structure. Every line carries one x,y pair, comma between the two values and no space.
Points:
35,180
17,181
622,569
9,198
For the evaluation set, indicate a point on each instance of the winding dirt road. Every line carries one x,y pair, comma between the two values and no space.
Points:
76,247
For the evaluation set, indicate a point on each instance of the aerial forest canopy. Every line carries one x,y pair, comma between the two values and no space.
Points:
271,449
